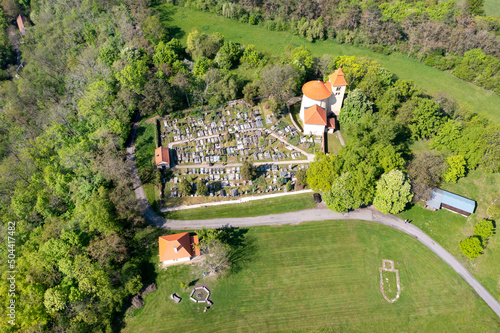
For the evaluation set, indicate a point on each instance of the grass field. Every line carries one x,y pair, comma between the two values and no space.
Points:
180,21
322,277
492,8
253,208
448,229
334,144
145,145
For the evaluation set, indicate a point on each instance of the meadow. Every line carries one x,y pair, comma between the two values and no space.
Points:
319,277
252,208
180,21
448,229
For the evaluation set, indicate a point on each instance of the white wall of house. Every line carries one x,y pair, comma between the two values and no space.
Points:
168,262
335,101
308,102
163,165
314,129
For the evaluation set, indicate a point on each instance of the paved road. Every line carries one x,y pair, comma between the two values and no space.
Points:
318,214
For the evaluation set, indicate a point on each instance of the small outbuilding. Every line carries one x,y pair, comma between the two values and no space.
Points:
452,202
162,157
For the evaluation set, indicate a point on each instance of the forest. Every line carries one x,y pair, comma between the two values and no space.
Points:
450,36
92,67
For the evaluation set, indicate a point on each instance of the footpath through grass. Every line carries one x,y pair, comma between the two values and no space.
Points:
321,276
180,21
277,205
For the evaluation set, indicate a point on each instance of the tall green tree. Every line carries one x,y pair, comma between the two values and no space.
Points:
322,172
341,198
356,105
393,192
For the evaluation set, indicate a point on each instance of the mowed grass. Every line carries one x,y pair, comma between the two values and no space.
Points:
448,229
253,208
180,21
145,145
492,8
321,276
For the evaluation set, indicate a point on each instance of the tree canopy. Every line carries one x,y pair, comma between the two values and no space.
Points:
393,192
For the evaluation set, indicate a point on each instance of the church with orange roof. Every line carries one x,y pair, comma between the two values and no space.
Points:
177,248
321,103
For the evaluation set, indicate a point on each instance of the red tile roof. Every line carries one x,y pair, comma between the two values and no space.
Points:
337,78
182,242
316,90
162,155
330,124
315,115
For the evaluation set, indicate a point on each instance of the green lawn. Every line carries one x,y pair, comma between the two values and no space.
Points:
322,277
492,8
145,145
180,21
333,144
253,208
153,195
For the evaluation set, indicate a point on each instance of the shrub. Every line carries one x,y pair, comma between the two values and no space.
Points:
471,247
484,229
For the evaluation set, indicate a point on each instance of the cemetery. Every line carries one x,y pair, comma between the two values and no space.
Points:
211,147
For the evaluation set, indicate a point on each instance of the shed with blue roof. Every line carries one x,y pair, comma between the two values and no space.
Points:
447,200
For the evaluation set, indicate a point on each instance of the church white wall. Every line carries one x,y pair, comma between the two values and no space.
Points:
308,102
314,129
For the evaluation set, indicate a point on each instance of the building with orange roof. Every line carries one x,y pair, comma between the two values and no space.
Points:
162,157
328,96
336,84
177,248
315,120
20,25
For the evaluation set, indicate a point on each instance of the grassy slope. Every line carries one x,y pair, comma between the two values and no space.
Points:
182,20
252,208
492,8
144,153
322,275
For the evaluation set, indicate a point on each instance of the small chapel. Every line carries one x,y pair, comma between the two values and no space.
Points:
321,103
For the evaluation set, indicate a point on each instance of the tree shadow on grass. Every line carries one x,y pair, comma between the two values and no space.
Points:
243,247
166,13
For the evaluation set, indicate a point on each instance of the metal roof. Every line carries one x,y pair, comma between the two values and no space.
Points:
439,197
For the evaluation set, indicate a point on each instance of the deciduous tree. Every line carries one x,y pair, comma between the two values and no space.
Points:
322,172
356,105
340,198
247,171
471,247
393,192
456,168
484,229
185,187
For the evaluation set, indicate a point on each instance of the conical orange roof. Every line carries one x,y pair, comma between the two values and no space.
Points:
316,90
315,115
337,78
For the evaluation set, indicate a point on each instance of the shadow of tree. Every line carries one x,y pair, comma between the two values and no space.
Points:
166,12
243,247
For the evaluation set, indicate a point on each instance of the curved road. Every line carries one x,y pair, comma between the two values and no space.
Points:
318,214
